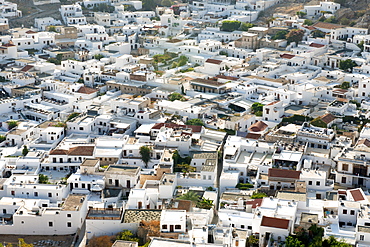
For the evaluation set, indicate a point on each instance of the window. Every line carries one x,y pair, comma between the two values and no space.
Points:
352,212
36,194
49,194
69,224
317,183
345,167
110,181
164,226
344,180
309,182
344,211
178,227
69,215
242,226
362,237
50,224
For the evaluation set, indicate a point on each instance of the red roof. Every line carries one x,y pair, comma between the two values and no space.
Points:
253,136
365,142
8,45
287,56
231,78
30,31
357,195
86,90
75,151
309,27
255,203
316,45
275,222
282,173
327,118
26,68
257,127
326,25
214,61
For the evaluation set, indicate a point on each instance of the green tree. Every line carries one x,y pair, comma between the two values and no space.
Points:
43,179
145,152
344,21
25,150
12,124
318,34
223,53
205,203
175,96
127,236
258,195
174,65
345,85
230,26
190,196
2,138
307,22
301,14
280,35
293,242
195,121
295,35
347,65
244,26
333,242
72,115
182,60
256,107
331,19
98,56
52,29
361,45
319,123
252,241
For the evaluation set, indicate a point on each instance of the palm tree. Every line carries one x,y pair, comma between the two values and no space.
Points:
205,203
190,196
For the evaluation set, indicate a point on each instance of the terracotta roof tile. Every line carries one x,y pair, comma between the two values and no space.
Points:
214,61
26,68
282,173
365,142
287,56
316,45
253,136
75,151
327,118
255,203
86,90
275,222
357,195
326,25
257,127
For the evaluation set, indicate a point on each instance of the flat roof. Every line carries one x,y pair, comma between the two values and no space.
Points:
73,202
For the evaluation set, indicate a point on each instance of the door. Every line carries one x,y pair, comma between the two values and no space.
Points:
139,205
360,181
116,183
171,228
